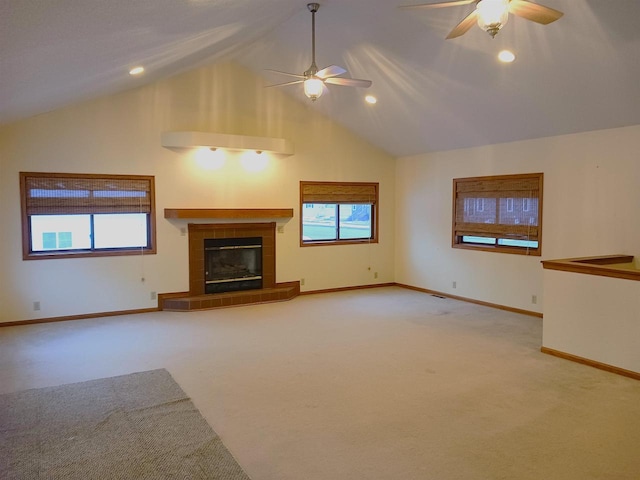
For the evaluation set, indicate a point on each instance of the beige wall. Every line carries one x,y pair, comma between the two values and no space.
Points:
121,134
591,196
591,201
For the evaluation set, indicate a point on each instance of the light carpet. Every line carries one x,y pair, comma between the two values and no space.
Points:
377,384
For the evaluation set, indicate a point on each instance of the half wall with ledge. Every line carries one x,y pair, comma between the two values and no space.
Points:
592,312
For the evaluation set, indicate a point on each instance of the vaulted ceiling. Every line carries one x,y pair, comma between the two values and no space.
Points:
578,74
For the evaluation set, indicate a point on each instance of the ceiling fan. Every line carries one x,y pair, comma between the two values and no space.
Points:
491,15
314,80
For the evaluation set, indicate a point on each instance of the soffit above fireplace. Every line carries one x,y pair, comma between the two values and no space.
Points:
226,141
228,212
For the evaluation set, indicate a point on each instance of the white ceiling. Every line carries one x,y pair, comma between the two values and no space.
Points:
578,74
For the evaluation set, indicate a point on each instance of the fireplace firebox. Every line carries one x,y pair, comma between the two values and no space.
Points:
232,264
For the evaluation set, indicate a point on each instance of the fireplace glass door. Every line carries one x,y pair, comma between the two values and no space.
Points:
233,264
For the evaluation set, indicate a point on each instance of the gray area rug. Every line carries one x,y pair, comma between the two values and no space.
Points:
138,426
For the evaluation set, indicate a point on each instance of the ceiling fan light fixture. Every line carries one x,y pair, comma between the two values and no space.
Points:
492,15
313,88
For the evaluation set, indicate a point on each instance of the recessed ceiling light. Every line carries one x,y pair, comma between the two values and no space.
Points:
506,56
371,99
136,71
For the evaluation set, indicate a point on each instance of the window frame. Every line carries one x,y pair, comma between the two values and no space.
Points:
28,254
490,184
345,188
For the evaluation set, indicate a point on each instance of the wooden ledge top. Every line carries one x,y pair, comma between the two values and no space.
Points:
228,212
604,266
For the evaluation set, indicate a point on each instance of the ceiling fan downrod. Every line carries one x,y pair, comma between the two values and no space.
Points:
313,69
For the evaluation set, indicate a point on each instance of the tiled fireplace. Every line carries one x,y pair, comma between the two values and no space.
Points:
248,256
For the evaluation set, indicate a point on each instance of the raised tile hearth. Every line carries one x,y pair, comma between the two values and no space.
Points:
283,291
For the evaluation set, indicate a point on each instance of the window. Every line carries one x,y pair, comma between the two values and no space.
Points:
86,215
509,204
338,213
510,220
469,205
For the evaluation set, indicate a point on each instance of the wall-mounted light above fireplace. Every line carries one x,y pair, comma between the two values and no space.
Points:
227,141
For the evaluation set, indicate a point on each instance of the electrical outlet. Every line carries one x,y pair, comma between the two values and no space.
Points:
301,281
454,284
534,299
36,306
280,228
375,274
183,232
153,295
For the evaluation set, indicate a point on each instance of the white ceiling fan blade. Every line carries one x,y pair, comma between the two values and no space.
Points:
284,73
330,71
349,82
285,84
464,26
440,5
534,11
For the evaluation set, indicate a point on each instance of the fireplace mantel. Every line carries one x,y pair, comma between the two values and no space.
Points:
228,212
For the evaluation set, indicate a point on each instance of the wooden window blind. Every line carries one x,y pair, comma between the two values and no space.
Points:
339,192
51,193
511,208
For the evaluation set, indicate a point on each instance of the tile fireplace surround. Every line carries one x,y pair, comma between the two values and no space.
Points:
196,299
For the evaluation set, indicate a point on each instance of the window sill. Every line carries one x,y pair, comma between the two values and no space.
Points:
319,243
532,252
86,254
